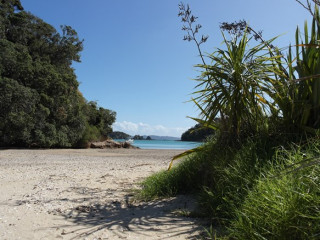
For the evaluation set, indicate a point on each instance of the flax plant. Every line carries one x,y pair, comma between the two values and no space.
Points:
234,84
295,91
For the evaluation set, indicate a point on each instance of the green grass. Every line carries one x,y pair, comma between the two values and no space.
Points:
224,171
252,190
285,204
186,177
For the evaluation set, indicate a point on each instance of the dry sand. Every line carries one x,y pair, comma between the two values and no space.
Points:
83,194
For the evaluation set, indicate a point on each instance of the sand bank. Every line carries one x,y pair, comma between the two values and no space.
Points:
83,194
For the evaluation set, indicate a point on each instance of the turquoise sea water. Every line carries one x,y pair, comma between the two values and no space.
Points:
163,144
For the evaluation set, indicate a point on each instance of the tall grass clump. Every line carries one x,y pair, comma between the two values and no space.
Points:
284,204
221,176
234,171
186,177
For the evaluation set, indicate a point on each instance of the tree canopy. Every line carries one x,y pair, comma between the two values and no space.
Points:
40,104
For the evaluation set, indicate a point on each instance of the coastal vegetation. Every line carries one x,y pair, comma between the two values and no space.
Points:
197,133
138,137
40,104
258,176
119,135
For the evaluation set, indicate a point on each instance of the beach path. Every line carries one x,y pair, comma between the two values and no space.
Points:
84,194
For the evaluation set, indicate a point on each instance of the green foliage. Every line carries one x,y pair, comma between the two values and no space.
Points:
40,105
253,190
98,124
197,133
185,178
261,187
119,135
232,86
228,173
308,69
295,91
101,118
282,205
249,89
91,134
18,109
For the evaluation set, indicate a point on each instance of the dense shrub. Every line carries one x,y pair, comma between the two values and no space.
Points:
40,105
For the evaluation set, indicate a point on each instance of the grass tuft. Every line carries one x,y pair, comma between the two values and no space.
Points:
259,189
184,178
282,205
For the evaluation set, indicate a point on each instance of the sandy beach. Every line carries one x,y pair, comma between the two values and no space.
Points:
84,194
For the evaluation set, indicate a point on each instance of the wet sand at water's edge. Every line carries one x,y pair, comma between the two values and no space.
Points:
84,194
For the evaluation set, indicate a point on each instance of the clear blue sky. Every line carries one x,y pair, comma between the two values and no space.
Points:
135,61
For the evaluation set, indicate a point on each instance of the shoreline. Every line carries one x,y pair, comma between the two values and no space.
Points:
86,193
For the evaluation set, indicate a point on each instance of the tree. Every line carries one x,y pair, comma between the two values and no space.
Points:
40,104
18,106
101,118
7,9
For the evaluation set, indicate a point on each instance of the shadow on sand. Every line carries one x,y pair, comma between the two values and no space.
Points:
123,218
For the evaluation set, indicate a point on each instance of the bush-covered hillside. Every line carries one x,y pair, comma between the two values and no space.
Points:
197,133
119,135
40,104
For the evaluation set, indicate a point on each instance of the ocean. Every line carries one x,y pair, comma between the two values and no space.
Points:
163,144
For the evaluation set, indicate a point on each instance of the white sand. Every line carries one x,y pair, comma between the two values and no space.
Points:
83,194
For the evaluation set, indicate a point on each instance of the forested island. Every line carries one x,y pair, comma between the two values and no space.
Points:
139,137
122,135
40,103
119,135
197,133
